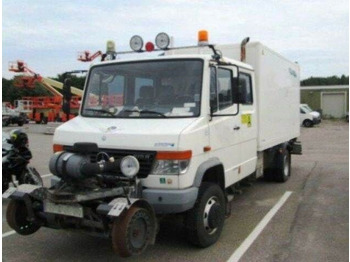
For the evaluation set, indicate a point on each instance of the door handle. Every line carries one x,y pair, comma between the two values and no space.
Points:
236,128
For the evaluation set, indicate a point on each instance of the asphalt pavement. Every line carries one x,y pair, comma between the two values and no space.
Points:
311,225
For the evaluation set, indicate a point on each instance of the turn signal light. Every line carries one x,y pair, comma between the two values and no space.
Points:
174,155
57,148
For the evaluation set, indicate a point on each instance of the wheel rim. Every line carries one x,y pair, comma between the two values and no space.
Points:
208,206
138,233
286,166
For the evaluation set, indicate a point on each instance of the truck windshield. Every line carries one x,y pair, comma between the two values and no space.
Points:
150,89
306,108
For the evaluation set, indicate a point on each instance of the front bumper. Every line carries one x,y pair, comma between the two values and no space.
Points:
165,201
316,121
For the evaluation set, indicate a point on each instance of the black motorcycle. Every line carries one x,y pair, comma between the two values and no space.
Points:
15,160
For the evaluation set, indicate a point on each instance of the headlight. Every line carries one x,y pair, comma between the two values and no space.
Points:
170,167
129,166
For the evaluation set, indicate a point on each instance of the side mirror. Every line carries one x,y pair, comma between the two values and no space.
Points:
67,96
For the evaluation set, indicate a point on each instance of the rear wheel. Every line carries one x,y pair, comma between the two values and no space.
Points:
204,222
16,216
132,232
283,170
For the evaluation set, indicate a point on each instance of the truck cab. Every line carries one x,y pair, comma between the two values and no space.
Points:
178,114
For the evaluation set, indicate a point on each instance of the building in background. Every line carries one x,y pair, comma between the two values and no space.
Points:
330,101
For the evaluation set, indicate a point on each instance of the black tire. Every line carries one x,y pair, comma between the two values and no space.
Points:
282,171
32,177
132,232
308,123
16,216
20,123
199,232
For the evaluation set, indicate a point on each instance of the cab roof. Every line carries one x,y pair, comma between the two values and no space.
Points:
170,56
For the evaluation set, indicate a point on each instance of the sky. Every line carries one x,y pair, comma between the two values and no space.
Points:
48,34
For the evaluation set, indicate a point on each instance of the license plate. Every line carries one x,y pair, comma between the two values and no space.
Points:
117,209
73,210
8,192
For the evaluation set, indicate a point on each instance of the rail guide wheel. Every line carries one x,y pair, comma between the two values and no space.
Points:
132,232
17,218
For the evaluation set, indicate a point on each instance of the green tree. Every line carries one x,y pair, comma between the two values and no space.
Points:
325,81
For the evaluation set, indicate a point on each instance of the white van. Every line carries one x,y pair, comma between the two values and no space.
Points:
309,117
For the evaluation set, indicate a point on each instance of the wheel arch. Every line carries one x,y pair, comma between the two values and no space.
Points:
211,170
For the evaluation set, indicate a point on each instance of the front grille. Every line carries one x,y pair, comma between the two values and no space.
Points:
145,158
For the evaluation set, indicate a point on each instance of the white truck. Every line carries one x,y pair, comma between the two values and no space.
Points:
199,120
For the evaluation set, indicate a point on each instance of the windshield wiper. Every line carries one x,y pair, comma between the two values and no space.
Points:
99,110
145,112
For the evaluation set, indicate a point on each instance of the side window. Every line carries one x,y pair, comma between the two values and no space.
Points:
245,87
213,90
224,88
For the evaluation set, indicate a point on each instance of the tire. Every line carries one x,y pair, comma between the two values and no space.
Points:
204,222
16,216
132,232
20,123
282,171
30,177
308,123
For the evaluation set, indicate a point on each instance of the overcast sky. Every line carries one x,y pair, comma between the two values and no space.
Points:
48,34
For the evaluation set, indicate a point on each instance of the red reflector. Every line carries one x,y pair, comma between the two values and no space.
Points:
57,148
149,47
174,155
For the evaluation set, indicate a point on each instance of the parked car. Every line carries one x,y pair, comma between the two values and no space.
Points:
309,117
14,119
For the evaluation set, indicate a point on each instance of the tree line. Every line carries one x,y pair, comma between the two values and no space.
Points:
10,93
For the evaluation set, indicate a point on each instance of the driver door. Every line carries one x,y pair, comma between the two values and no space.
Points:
225,123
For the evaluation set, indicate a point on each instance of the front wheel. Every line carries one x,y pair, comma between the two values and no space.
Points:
30,176
308,123
204,222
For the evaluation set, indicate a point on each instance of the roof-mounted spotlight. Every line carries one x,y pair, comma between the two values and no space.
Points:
136,43
162,41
